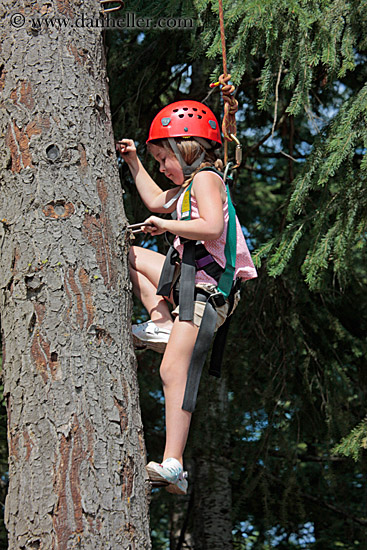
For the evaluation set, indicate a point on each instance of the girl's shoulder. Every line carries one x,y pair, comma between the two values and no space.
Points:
209,171
208,181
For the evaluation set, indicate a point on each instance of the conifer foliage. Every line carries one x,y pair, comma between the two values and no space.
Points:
305,48
329,198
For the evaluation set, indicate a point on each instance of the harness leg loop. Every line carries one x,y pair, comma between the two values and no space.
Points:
201,348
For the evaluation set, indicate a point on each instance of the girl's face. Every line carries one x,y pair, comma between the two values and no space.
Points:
168,164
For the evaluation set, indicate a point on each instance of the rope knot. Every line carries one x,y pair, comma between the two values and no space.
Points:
230,107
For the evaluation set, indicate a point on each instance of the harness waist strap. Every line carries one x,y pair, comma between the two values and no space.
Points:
202,262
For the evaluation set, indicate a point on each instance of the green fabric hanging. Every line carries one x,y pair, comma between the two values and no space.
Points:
230,250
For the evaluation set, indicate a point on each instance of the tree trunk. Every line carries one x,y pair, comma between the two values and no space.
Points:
76,458
212,521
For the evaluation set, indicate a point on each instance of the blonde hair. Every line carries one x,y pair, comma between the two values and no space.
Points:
190,150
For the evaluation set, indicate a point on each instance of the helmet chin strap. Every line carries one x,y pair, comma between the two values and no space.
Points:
187,169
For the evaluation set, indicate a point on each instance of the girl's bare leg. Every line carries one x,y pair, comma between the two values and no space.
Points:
174,369
145,269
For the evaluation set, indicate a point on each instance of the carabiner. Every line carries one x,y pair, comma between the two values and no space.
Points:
238,152
116,8
226,170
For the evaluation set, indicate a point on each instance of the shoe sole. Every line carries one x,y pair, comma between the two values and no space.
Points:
159,347
155,476
174,489
138,344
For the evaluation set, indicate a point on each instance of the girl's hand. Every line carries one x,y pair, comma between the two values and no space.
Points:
156,227
127,149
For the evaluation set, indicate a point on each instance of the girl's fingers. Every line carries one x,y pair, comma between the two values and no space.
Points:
120,146
123,144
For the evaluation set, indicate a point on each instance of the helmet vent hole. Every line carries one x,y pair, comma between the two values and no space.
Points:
185,109
181,116
199,116
194,109
204,112
191,115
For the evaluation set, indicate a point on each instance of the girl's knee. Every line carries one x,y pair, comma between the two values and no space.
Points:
166,372
163,372
171,373
132,256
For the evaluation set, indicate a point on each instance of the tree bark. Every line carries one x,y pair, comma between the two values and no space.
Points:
76,448
212,521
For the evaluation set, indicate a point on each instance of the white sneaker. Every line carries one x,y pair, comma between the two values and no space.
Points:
149,335
171,472
180,486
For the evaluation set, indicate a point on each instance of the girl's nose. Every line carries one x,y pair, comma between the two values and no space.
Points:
162,168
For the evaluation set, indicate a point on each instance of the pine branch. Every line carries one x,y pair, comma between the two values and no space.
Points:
353,443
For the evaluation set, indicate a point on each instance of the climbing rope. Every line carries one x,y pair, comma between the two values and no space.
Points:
230,108
222,36
229,129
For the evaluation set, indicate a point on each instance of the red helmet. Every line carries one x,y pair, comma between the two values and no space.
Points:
185,118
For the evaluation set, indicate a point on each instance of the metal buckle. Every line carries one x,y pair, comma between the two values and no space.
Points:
217,299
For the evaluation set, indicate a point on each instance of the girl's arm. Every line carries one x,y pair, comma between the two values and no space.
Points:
151,194
208,191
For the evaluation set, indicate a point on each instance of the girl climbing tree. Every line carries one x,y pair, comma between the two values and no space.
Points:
203,270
